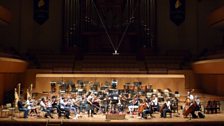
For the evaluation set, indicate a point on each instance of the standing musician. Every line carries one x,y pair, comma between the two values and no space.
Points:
96,104
165,108
89,104
190,105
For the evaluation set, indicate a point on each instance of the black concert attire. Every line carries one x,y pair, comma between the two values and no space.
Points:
22,108
165,109
63,109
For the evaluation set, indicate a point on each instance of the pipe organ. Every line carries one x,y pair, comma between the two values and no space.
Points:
82,19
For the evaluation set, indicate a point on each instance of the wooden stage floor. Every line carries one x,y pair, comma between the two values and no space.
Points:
100,119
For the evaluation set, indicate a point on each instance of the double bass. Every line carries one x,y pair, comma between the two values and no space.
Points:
189,109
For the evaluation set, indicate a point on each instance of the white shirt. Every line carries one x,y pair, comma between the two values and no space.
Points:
191,97
168,103
28,103
197,101
155,101
42,104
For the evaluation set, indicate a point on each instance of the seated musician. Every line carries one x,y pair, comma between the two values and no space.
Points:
121,103
155,103
82,103
54,102
62,108
31,102
106,102
198,104
133,104
165,108
44,108
69,105
76,102
145,109
22,108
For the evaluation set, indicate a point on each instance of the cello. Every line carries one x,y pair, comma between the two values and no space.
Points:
142,107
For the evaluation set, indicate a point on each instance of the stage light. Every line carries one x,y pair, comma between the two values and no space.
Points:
115,52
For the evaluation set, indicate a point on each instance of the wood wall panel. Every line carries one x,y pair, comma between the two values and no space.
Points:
5,15
215,66
212,84
12,65
216,17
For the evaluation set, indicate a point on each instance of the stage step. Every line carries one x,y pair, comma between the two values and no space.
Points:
48,123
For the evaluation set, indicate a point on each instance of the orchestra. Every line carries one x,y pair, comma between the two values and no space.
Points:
110,101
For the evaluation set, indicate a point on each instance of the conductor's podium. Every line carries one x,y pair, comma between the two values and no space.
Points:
115,116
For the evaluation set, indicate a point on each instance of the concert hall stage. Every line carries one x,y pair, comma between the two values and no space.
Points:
100,119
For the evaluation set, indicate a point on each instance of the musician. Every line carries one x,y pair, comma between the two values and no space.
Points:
106,102
82,103
44,108
32,105
22,108
75,101
198,103
114,84
113,102
145,109
190,95
89,104
48,104
155,103
63,108
134,104
165,108
149,88
96,104
28,103
70,105
54,102
190,105
121,103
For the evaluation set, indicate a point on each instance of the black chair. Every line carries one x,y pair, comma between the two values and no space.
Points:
62,111
216,106
209,107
